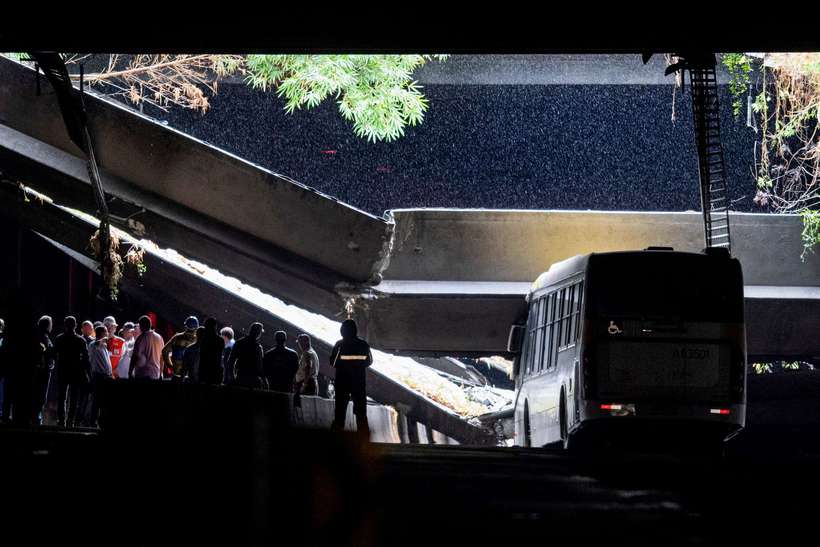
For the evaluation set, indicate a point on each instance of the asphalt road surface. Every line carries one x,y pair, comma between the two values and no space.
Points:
260,486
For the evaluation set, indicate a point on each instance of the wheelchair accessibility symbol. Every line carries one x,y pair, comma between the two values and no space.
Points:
613,328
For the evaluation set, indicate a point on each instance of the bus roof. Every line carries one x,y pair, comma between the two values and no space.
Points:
559,271
569,267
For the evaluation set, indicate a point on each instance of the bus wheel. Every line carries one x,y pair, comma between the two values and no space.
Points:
562,418
527,430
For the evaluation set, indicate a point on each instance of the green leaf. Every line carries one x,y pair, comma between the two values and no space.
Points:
376,93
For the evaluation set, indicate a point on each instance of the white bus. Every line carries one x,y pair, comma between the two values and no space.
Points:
631,346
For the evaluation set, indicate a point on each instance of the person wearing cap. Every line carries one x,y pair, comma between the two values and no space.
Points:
190,359
174,350
246,358
350,358
129,335
115,343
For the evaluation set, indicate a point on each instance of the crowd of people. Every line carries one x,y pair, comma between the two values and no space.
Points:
81,358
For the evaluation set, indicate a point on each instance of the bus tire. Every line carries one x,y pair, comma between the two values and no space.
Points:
562,420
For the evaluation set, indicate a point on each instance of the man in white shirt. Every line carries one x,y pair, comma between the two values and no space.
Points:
101,370
129,333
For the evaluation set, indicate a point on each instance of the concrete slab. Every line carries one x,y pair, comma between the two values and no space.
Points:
190,173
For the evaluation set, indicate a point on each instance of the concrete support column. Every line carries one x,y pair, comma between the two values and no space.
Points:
401,424
412,431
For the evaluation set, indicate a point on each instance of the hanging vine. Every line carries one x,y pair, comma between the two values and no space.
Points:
134,257
787,156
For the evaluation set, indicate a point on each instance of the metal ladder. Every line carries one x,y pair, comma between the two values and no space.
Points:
714,197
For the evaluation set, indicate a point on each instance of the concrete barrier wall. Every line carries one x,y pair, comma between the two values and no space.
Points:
132,404
316,412
494,245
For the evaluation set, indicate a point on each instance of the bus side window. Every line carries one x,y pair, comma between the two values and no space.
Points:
568,309
549,302
579,293
558,319
544,320
539,336
527,368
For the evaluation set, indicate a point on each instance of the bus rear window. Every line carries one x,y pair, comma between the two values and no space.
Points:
665,286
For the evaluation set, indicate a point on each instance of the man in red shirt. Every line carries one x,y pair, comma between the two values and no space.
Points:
115,343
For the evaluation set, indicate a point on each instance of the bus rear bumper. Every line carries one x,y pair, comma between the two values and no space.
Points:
652,435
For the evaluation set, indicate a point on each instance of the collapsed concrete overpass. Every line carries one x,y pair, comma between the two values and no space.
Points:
480,263
176,291
423,282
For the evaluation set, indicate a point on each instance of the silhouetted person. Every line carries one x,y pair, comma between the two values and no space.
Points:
211,348
280,364
306,380
73,371
174,350
146,359
2,371
350,357
246,358
23,354
227,336
83,404
101,370
42,370
190,359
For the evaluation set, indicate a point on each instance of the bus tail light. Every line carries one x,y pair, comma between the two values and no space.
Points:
721,411
619,409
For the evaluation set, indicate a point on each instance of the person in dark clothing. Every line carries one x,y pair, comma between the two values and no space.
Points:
2,372
280,364
246,358
73,371
23,355
350,358
190,359
84,400
211,347
43,370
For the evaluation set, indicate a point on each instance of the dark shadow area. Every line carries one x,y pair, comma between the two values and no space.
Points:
184,464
